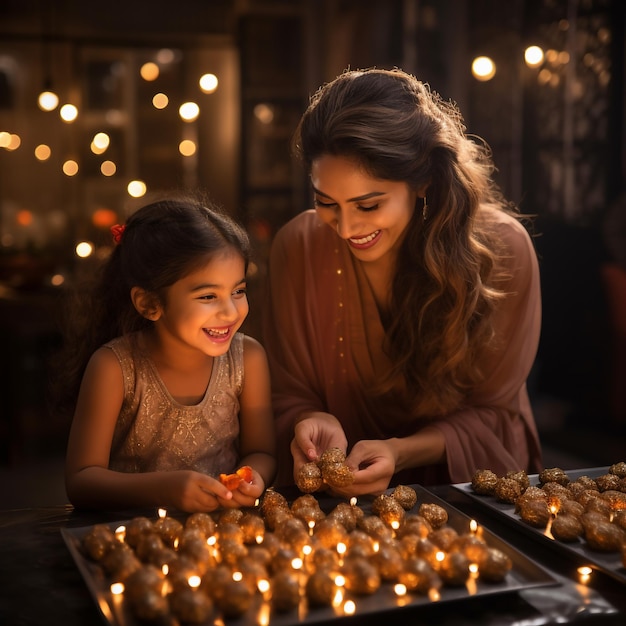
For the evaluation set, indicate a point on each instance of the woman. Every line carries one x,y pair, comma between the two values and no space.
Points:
404,311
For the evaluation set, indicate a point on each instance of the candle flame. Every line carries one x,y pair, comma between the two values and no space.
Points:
296,563
473,525
162,513
349,607
433,594
400,589
117,589
341,547
194,581
237,576
340,581
263,585
352,501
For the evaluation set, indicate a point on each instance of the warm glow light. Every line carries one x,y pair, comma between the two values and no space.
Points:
263,585
187,147
473,526
162,513
100,143
5,139
136,188
340,581
208,83
149,71
440,556
70,167
68,113
84,249
533,55
341,548
307,549
584,573
296,563
189,111
57,280
43,152
24,217
104,218
400,589
15,141
165,56
194,581
349,607
108,168
48,101
160,101
117,589
264,113
483,68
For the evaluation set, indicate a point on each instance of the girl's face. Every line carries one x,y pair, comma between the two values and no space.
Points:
369,214
204,309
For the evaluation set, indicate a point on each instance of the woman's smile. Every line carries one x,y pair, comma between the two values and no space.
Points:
366,241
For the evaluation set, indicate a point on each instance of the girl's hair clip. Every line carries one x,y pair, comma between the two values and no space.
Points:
117,231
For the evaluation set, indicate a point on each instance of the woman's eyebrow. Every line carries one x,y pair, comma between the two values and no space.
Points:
367,196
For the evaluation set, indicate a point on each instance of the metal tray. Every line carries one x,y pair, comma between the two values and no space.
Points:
525,574
610,563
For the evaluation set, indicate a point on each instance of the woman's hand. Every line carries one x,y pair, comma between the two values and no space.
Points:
374,464
314,434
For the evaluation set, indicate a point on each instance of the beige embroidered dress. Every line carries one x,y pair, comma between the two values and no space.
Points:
154,432
324,338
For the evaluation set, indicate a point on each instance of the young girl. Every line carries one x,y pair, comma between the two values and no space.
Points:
173,395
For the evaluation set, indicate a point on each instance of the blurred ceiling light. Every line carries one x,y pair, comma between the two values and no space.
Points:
43,152
533,55
136,188
552,56
101,141
68,113
24,217
104,218
108,168
544,76
264,113
189,111
208,83
48,100
563,57
187,147
15,141
84,249
483,68
165,56
160,101
149,71
70,167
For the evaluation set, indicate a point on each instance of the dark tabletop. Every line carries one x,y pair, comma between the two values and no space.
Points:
41,584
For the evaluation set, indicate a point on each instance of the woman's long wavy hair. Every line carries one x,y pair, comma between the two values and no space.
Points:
162,242
445,286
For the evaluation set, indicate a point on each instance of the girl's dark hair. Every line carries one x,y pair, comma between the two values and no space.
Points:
396,128
160,244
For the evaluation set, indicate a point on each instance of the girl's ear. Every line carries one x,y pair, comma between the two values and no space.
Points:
146,303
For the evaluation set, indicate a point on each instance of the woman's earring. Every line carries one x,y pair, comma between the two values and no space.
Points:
425,210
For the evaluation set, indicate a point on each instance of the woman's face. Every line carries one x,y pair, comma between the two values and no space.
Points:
369,214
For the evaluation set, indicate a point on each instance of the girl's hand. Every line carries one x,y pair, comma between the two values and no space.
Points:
246,494
374,464
313,435
191,491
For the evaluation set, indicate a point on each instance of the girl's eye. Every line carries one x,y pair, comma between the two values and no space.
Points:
373,207
240,292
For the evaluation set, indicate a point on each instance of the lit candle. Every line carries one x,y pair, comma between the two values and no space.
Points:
349,607
120,533
194,581
162,513
584,574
